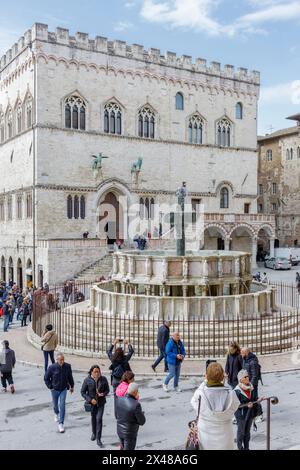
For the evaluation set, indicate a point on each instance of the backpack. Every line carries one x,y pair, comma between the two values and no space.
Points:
259,373
118,372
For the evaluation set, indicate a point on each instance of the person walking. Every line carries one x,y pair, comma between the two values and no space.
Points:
130,418
245,415
216,404
59,379
175,355
7,363
94,390
251,365
119,363
49,342
25,312
234,363
163,336
6,315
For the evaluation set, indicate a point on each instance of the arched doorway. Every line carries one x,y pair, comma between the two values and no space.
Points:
29,274
10,270
109,218
242,239
3,269
214,238
19,274
265,243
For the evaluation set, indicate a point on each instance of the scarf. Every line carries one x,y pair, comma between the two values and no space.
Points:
210,383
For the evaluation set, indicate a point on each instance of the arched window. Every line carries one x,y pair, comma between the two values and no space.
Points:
9,208
146,123
70,207
152,208
196,126
269,155
298,152
19,118
291,154
147,206
239,111
29,113
19,207
224,198
287,154
75,113
2,127
29,206
82,207
9,124
112,118
76,207
224,133
179,101
142,209
2,210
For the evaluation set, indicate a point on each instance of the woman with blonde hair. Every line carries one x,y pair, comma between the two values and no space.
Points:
218,403
234,363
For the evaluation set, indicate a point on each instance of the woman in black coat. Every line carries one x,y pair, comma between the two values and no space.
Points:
234,364
119,364
94,390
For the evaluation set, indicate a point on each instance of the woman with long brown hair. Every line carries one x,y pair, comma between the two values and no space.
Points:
234,364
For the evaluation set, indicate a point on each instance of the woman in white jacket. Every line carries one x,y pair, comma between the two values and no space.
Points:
217,407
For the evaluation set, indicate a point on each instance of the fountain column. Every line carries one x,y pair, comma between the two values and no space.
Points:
254,252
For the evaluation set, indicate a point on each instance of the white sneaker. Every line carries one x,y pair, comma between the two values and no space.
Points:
165,387
56,418
177,390
61,428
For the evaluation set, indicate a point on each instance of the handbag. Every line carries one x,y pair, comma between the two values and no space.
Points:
193,442
88,407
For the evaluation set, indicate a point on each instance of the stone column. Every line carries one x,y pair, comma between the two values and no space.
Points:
254,252
148,290
272,248
227,244
184,291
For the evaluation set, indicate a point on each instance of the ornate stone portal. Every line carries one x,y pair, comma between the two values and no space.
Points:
162,285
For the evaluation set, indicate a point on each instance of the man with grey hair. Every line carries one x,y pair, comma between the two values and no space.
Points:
163,336
59,380
130,417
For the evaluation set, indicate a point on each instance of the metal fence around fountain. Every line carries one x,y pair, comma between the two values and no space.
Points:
89,331
86,330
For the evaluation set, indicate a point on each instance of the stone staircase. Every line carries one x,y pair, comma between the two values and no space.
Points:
101,267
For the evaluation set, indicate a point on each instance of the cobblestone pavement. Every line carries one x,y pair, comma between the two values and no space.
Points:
27,418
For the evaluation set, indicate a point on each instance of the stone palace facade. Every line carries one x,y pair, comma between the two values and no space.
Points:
160,120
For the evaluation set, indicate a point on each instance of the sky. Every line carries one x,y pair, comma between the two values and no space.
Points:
256,34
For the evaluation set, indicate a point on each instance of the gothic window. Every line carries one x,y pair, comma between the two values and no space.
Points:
82,207
239,111
29,113
298,152
196,126
9,208
269,155
70,207
76,207
147,123
288,154
291,154
1,127
179,101
147,208
9,124
19,207
224,133
224,198
19,118
29,206
112,118
75,113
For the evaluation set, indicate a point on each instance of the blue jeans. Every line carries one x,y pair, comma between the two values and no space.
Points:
5,323
59,396
174,372
46,358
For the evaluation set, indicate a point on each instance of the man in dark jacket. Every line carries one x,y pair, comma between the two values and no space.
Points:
59,380
251,365
130,418
6,315
7,363
163,337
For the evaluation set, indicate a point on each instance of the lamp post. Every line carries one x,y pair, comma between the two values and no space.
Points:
181,194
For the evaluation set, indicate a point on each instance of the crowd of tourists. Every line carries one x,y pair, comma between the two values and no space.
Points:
225,398
15,304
